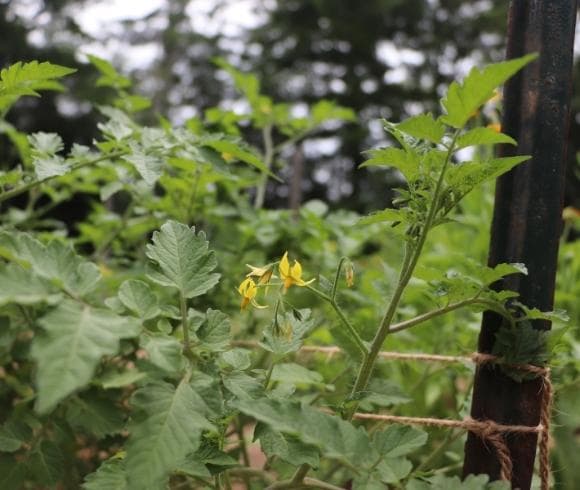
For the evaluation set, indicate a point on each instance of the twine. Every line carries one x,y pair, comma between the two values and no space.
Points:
488,430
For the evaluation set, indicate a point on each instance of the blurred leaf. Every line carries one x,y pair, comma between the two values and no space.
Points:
110,476
482,136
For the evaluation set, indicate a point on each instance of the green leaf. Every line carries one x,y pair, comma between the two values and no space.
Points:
95,415
287,448
56,262
463,99
243,386
296,374
13,434
386,215
12,472
166,427
47,463
112,380
336,438
18,285
74,338
248,84
183,259
482,136
110,476
46,143
393,470
150,167
406,161
471,482
50,166
423,127
465,177
214,332
326,110
21,79
398,440
234,150
164,352
109,75
383,393
288,334
138,297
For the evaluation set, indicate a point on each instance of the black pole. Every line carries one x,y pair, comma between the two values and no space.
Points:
527,216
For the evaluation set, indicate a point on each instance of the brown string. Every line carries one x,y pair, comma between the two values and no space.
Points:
488,430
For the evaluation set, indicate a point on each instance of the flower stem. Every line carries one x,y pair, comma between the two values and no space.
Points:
268,159
345,321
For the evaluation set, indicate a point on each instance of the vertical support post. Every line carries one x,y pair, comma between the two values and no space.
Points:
527,216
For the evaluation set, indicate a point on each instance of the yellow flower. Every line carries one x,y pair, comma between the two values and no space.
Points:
570,213
264,274
495,126
291,274
248,291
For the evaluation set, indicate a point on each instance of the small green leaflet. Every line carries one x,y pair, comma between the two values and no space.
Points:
386,215
137,296
482,136
214,332
166,427
423,127
164,352
183,260
149,166
110,77
236,151
288,448
463,99
326,110
96,415
22,79
406,161
73,340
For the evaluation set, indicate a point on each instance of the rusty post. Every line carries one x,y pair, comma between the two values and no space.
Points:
527,215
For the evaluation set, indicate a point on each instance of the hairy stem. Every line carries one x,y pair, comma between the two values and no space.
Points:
412,254
187,352
268,159
35,183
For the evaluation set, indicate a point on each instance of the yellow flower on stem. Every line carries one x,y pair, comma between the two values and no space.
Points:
291,274
248,291
264,274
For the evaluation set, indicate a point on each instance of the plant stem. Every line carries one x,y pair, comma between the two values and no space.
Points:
187,352
412,254
268,159
336,278
35,183
349,326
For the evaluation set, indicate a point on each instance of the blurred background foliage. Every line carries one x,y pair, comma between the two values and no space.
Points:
382,58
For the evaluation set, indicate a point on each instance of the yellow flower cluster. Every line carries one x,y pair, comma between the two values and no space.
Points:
290,275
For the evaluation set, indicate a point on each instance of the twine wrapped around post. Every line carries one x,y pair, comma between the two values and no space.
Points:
489,430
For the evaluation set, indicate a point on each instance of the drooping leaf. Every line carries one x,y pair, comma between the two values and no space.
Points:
463,99
166,427
71,344
183,260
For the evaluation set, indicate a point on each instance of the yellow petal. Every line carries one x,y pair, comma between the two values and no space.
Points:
296,270
284,266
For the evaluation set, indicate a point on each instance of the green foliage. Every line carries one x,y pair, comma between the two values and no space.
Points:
126,360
